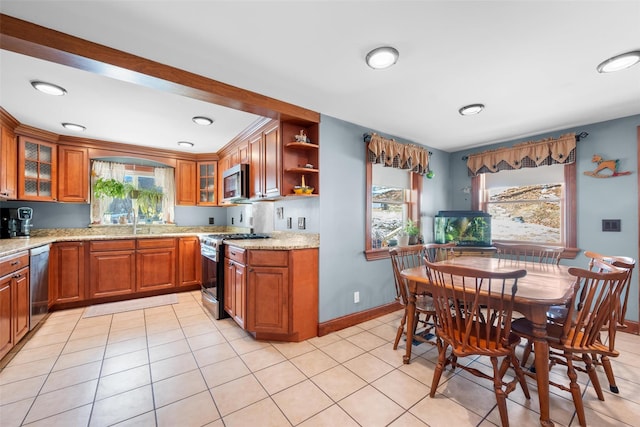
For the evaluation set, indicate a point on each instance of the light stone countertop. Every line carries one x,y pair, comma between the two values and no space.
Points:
279,241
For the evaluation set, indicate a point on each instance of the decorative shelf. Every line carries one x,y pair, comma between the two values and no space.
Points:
303,170
302,145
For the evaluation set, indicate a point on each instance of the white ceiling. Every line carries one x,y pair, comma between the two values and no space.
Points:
532,63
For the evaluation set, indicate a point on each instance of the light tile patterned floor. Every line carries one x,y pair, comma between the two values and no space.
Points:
175,366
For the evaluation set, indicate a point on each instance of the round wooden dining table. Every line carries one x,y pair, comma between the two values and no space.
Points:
544,285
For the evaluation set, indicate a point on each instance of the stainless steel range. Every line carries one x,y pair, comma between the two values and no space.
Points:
212,251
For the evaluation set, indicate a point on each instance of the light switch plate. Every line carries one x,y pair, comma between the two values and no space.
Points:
301,223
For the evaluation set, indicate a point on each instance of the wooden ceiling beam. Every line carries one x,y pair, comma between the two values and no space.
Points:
36,41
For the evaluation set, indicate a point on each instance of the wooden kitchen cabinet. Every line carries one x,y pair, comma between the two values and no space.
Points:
67,266
112,268
37,170
14,300
189,261
268,292
73,174
186,187
207,178
279,289
265,160
235,284
300,159
155,264
8,163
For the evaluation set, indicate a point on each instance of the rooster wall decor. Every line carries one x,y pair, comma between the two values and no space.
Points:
603,165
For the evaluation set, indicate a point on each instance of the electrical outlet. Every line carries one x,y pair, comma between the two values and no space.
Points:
356,297
233,220
211,220
280,212
301,223
240,216
289,222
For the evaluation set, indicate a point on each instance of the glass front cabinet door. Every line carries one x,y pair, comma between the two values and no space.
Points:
36,170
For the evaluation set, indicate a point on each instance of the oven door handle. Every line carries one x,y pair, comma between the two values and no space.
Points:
209,255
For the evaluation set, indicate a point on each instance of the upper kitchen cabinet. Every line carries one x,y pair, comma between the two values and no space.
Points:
186,182
265,159
207,183
73,174
37,169
196,183
300,158
8,163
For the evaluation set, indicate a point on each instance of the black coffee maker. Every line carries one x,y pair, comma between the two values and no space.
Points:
15,222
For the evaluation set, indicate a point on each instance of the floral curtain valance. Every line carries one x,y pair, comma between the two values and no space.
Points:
397,155
524,155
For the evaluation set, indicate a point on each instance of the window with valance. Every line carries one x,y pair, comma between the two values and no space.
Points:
394,154
532,154
394,186
532,209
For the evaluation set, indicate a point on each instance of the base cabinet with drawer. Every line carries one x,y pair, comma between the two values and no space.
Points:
280,292
14,300
235,284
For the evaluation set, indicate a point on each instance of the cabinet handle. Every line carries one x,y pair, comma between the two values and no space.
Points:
15,263
17,276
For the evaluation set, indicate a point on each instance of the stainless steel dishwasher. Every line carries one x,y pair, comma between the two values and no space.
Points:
39,280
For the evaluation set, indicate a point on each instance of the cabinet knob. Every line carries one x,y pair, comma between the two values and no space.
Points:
17,276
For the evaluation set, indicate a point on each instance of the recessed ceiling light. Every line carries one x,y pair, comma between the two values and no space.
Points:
48,88
185,144
469,110
382,57
74,127
201,120
619,62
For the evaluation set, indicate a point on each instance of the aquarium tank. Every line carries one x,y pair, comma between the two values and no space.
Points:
466,228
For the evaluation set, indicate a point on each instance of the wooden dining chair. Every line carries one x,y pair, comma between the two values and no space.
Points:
439,251
620,313
473,317
517,254
540,254
595,301
401,259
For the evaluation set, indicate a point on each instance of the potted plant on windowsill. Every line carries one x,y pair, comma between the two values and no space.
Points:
413,231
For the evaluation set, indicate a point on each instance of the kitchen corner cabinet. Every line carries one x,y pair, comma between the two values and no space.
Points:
189,261
37,170
14,300
280,292
67,266
186,182
300,159
112,267
8,164
155,264
73,174
235,284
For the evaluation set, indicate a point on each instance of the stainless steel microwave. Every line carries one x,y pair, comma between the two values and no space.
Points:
235,183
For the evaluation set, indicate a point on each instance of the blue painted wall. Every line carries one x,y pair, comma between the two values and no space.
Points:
343,267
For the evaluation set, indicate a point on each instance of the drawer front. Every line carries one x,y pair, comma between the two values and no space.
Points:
235,254
112,245
156,243
259,258
14,262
